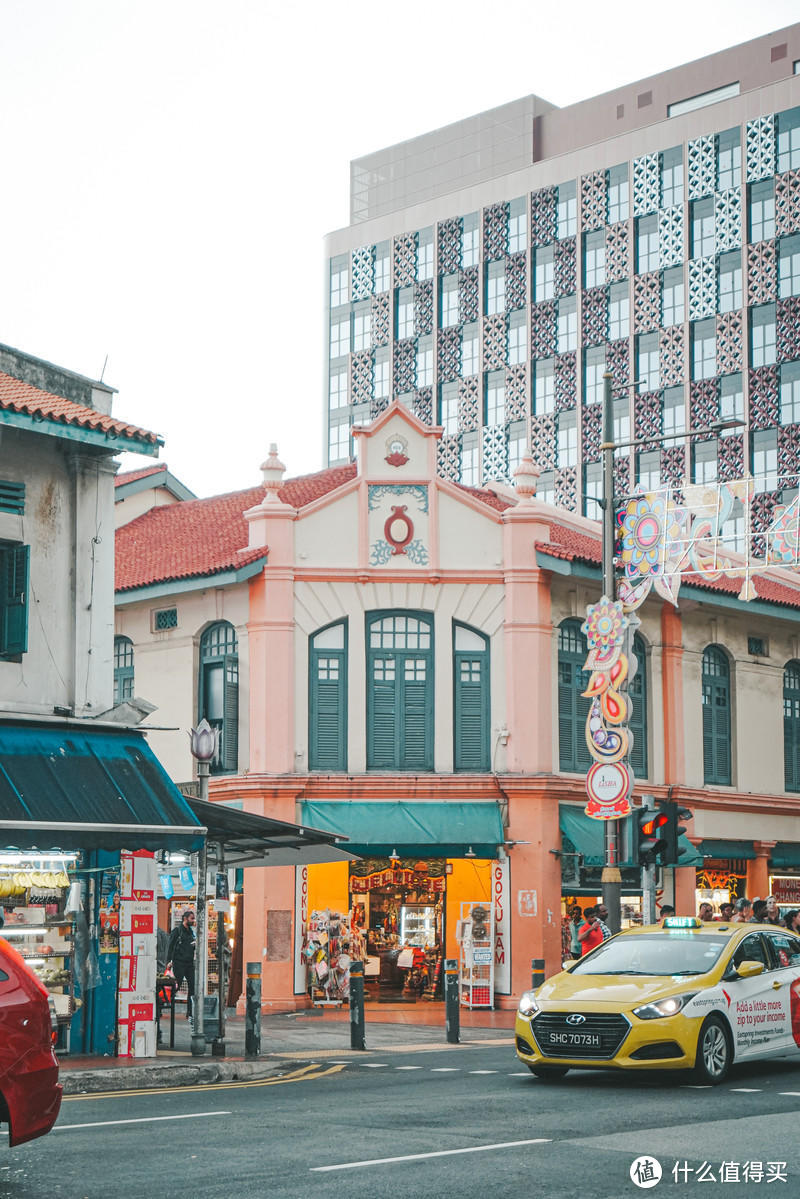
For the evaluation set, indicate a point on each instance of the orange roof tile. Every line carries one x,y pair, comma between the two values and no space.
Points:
131,476
21,397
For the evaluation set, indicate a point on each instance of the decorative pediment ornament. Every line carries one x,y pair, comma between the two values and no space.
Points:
396,448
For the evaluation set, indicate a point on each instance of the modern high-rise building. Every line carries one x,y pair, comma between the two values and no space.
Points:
494,269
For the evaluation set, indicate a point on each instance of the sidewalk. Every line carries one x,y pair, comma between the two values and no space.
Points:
288,1041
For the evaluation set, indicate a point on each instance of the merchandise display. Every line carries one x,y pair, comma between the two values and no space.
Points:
332,942
475,935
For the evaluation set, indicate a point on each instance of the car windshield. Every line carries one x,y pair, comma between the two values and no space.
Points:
673,952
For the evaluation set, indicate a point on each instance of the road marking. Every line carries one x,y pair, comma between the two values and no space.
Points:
408,1067
696,1086
446,1070
747,1090
795,1093
139,1120
481,1071
416,1157
521,1074
375,1065
302,1075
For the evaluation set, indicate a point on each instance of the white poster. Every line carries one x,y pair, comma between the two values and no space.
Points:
300,926
502,928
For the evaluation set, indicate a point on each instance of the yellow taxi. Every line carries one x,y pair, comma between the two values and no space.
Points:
679,995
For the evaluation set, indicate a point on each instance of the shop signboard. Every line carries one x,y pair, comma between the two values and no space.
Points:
502,927
786,889
137,960
300,927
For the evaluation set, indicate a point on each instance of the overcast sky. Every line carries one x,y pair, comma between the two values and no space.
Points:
169,171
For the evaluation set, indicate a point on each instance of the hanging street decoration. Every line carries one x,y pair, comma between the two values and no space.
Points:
609,633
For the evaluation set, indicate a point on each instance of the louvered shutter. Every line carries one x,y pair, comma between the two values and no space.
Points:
709,775
415,745
14,567
722,733
566,718
382,738
471,712
327,734
230,714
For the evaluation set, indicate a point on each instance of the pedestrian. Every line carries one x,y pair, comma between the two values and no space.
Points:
792,921
602,915
743,909
726,912
574,921
706,911
667,910
180,956
759,911
590,934
773,915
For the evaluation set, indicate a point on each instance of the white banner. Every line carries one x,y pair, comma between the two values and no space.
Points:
300,926
502,927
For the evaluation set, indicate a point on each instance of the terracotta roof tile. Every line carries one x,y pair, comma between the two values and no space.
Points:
131,476
21,397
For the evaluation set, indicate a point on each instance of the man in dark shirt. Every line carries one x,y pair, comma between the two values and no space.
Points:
180,956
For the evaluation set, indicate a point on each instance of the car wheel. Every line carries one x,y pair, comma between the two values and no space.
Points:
549,1073
714,1052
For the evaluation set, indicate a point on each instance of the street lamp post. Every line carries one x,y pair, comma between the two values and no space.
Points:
611,877
204,744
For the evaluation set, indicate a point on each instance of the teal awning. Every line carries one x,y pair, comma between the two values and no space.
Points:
68,786
728,849
410,829
785,853
587,836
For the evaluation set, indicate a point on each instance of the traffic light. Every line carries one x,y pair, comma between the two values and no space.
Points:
649,839
671,853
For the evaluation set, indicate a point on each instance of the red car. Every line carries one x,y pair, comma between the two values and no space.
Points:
30,1094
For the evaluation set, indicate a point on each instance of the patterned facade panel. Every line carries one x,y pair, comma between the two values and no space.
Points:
565,270
543,441
448,458
788,454
378,404
728,220
449,239
591,421
404,366
763,388
381,320
363,272
566,381
787,329
671,356
702,288
423,308
760,148
361,378
730,343
646,302
405,260
495,340
543,330
494,456
594,316
469,294
495,231
618,361
423,405
449,341
593,201
516,282
622,476
646,415
646,183
787,203
703,403
566,485
670,236
762,279
702,167
517,407
730,457
618,263
673,465
762,514
468,405
543,216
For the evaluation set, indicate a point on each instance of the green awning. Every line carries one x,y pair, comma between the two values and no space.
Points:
785,853
435,828
68,786
587,836
728,849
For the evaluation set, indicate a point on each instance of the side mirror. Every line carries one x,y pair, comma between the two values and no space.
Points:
749,969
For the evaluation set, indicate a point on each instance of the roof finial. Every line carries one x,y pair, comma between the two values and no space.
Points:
526,477
272,472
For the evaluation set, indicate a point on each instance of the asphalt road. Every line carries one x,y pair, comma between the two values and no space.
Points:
459,1121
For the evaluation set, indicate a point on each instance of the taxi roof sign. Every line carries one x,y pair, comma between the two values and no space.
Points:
682,922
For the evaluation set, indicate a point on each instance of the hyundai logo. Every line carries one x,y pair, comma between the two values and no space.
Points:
576,1019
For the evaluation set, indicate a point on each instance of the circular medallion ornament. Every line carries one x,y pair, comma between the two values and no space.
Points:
608,786
399,529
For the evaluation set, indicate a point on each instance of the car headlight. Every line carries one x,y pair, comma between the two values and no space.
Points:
663,1007
527,1004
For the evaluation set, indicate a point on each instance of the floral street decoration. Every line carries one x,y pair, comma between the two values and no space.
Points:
609,783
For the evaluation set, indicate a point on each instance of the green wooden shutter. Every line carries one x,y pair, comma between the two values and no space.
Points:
722,734
471,711
638,719
230,714
327,748
14,568
566,718
791,726
382,741
716,718
416,712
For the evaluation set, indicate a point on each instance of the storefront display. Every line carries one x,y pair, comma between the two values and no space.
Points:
475,935
333,941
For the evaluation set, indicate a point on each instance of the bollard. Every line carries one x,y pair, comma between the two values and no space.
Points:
357,1006
452,1014
537,972
252,1012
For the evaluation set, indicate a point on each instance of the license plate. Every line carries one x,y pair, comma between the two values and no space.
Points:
591,1039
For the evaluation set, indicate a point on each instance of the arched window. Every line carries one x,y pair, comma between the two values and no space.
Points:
573,709
471,723
791,726
638,719
327,698
399,691
716,681
219,692
123,669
